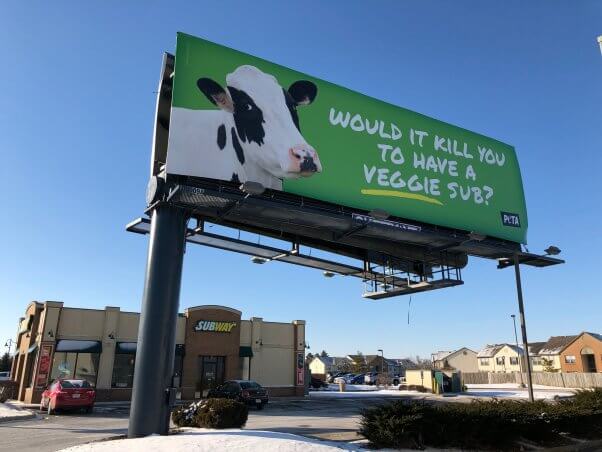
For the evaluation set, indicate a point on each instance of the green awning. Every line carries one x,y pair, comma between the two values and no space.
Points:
245,352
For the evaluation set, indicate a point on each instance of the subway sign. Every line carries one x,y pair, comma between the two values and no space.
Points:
213,326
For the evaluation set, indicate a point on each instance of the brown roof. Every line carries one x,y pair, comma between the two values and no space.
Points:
556,344
535,347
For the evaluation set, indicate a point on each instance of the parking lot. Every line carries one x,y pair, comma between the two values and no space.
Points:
324,418
327,415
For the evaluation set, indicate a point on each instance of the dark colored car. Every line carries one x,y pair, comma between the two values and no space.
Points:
316,383
357,380
66,394
246,391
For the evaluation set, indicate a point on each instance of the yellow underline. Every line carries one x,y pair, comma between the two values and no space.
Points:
400,194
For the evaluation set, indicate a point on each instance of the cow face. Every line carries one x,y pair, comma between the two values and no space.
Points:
266,123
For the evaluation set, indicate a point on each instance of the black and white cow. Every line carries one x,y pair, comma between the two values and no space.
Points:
254,136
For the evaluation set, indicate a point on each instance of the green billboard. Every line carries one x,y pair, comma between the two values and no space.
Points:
240,118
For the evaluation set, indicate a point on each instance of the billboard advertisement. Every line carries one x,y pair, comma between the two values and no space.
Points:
236,117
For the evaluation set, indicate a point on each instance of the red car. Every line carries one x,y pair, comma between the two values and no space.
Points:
62,394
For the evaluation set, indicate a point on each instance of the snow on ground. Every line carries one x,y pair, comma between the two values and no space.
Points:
503,390
351,394
9,412
207,440
522,394
513,386
335,387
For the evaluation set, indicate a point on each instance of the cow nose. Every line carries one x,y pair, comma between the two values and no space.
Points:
305,159
308,165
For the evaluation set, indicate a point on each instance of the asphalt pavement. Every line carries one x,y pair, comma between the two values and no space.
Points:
332,419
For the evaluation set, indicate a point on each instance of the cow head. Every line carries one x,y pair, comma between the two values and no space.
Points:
266,121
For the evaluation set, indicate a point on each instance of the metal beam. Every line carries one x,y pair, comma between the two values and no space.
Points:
523,326
153,393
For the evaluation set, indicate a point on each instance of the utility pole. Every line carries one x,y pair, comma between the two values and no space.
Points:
523,326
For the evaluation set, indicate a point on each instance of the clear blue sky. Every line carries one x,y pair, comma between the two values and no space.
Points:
76,113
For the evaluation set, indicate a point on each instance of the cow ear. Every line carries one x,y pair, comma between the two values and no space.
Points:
216,94
303,91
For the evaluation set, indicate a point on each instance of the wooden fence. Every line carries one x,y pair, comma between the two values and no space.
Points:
559,379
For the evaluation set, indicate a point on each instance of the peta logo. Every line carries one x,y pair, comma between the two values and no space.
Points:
214,327
510,219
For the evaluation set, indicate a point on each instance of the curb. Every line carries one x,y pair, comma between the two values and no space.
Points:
17,418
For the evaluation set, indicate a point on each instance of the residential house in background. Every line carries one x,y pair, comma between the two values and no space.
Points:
549,353
322,365
463,359
582,354
500,358
404,364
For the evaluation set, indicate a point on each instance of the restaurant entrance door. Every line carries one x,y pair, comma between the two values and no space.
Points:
210,374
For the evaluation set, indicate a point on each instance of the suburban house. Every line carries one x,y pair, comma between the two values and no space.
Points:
584,354
321,365
378,363
547,356
576,353
500,358
404,364
463,359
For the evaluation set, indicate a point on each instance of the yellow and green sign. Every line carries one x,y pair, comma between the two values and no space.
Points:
237,117
213,326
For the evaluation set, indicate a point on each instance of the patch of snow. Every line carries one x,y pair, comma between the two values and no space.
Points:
207,440
513,386
9,412
370,393
334,387
523,394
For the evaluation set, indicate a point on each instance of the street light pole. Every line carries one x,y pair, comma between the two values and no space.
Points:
523,326
9,344
522,382
382,360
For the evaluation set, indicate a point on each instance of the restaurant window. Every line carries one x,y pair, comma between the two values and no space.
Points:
500,360
123,371
82,366
570,359
484,362
76,360
514,360
32,359
536,361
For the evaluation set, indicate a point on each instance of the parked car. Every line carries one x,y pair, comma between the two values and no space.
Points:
341,378
330,377
245,391
316,383
370,378
68,394
4,376
397,380
357,380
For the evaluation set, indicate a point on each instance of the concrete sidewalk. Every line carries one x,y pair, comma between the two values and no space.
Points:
10,411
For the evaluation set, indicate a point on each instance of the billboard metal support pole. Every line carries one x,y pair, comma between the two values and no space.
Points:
523,326
152,393
520,361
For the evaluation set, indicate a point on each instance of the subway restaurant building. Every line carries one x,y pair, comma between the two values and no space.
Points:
213,344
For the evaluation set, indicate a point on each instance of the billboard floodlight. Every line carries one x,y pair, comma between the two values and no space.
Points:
252,188
552,250
258,260
328,274
379,214
477,237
